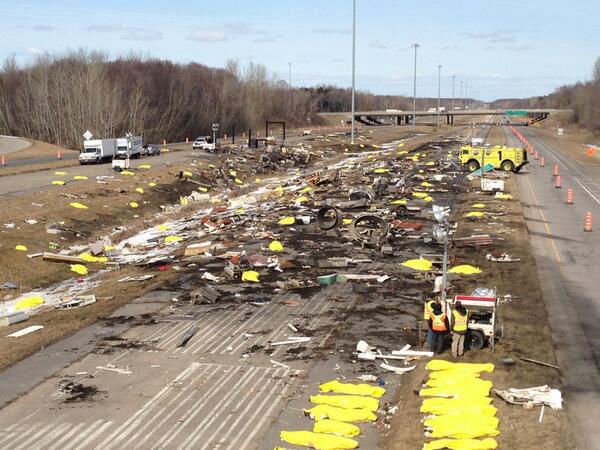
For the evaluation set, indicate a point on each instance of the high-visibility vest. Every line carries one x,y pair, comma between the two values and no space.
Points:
460,321
427,309
438,322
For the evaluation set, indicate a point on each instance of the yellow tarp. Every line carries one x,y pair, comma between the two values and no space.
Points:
250,276
425,184
380,170
139,190
276,246
29,302
79,269
420,194
318,441
353,389
305,190
240,211
338,428
78,205
80,177
88,257
144,166
474,214
21,248
428,199
238,181
465,269
473,382
440,405
203,189
287,221
440,364
479,205
347,221
346,401
127,172
301,199
187,173
60,172
418,264
463,426
58,183
134,205
233,173
462,444
456,391
152,184
173,238
321,412
399,202
163,227
503,196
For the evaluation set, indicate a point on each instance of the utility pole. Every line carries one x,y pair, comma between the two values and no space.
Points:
353,65
462,103
416,46
453,77
290,84
439,92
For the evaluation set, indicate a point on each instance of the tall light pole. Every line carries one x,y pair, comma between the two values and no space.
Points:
416,46
290,83
439,92
462,103
353,65
453,77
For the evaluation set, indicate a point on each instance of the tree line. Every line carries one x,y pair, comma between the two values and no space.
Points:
582,97
57,98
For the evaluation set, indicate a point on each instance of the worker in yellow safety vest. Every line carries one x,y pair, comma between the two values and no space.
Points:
460,322
427,309
438,323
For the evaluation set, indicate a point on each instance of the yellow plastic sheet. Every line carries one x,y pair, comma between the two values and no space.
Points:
440,405
400,201
187,173
152,184
80,177
465,269
173,238
475,214
478,390
276,246
346,401
418,264
79,269
60,172
238,181
21,248
233,173
504,196
318,441
88,257
338,428
381,170
203,189
463,426
251,276
301,199
58,183
306,190
462,444
127,172
420,194
479,205
78,205
144,166
240,211
163,227
287,221
29,302
139,190
353,389
428,199
134,204
440,364
425,184
464,383
347,221
321,412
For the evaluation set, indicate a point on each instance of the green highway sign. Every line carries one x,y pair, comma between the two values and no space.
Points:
512,112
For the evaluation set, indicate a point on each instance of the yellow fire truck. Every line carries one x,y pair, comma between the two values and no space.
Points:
509,159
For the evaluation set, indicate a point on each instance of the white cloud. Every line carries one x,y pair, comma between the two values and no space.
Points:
208,36
33,51
142,35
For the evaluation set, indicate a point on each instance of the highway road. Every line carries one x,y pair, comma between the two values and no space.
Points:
11,144
568,264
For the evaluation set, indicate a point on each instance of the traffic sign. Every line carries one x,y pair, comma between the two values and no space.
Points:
215,126
560,131
513,112
87,135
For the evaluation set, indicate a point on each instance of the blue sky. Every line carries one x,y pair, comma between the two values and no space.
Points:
501,48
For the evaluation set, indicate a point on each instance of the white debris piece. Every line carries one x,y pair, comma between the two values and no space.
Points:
398,370
25,331
535,396
111,368
291,340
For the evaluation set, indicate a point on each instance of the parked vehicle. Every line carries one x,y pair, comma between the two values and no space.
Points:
483,325
136,147
97,150
203,143
509,159
151,150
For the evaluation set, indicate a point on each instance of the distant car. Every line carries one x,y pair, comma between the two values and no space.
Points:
203,143
152,150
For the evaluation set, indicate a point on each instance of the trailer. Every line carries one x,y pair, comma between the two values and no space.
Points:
136,150
483,325
97,150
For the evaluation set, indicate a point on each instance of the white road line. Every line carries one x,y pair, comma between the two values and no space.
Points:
15,426
65,437
172,405
260,423
586,190
220,408
149,404
163,341
89,430
34,430
242,415
48,437
94,435
170,434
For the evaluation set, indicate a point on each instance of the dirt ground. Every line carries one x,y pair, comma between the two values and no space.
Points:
526,329
38,149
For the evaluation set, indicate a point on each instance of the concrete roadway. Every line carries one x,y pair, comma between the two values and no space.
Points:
568,264
12,144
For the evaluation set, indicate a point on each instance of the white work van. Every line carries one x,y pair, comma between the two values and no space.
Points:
97,150
137,147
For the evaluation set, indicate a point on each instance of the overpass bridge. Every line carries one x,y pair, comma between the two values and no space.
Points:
398,117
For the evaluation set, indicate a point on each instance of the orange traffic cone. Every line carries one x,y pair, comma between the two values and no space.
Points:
187,140
558,184
569,196
536,155
556,170
542,161
588,221
58,154
3,161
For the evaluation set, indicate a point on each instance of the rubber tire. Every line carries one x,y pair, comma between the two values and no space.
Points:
507,166
472,166
475,340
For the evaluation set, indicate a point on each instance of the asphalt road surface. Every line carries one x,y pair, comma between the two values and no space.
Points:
11,144
568,264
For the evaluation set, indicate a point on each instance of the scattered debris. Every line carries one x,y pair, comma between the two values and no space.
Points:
530,397
25,331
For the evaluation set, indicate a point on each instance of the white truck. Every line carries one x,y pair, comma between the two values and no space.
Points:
137,147
97,150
